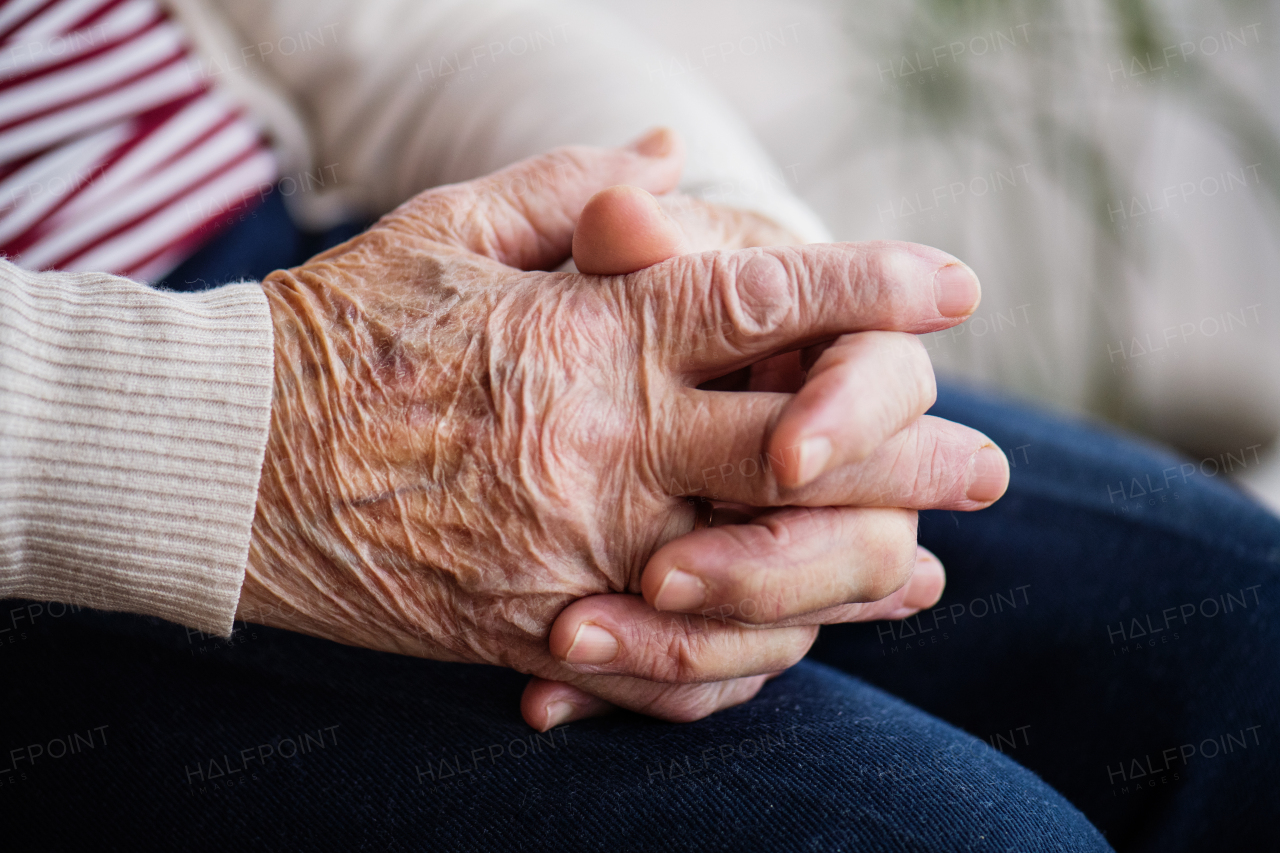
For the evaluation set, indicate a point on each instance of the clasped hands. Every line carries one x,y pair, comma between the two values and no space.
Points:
474,459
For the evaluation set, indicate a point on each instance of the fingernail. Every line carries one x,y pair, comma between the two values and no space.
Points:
557,713
592,645
988,475
956,290
814,454
680,591
655,143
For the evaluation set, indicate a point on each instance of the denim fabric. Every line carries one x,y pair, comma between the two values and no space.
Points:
1063,647
1121,603
286,742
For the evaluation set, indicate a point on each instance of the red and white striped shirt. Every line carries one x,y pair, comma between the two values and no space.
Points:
116,155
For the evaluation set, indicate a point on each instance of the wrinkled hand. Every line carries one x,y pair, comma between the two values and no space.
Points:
624,229
462,446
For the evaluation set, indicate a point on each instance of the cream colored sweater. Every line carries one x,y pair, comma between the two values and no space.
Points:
133,422
132,429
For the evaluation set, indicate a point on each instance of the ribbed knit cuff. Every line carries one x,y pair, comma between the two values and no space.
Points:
133,424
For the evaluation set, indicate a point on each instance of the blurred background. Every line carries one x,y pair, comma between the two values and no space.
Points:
1110,168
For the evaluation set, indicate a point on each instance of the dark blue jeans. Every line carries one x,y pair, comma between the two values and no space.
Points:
1107,654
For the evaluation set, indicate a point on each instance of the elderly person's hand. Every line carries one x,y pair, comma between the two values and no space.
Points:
462,446
624,229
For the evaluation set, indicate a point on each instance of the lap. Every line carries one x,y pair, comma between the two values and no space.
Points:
1063,645
285,739
1110,623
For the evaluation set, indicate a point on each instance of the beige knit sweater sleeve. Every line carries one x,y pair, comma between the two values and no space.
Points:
133,424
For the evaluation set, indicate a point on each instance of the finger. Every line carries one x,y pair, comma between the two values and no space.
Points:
547,704
709,226
716,312
923,590
782,373
861,390
676,703
785,564
930,464
524,216
623,229
622,635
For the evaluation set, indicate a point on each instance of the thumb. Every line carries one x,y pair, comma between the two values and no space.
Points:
623,229
524,215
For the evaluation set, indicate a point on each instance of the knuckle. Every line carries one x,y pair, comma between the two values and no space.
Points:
916,357
898,367
761,608
758,293
688,705
575,164
514,187
756,603
921,470
890,554
937,477
677,662
920,392
567,158
805,638
748,592
876,274
912,374
436,214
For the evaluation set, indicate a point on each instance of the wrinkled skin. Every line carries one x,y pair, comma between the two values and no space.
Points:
462,446
436,437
